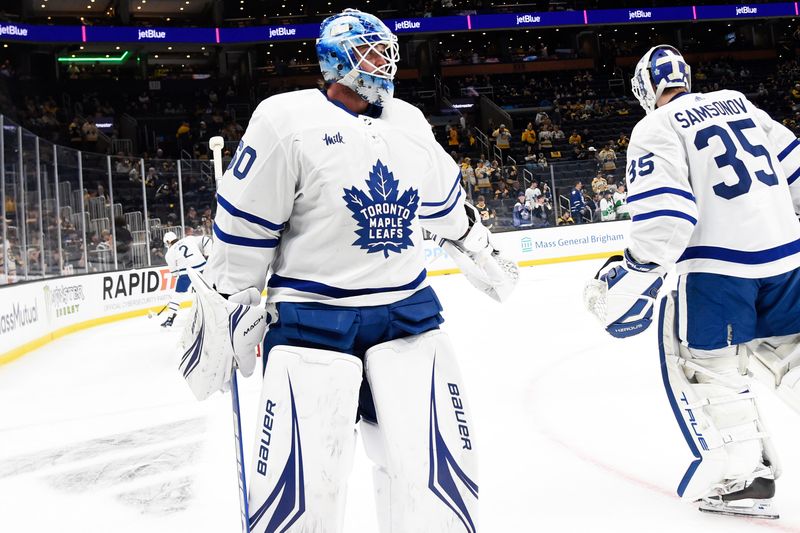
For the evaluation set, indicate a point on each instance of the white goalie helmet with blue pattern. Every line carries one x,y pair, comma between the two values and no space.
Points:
660,68
348,44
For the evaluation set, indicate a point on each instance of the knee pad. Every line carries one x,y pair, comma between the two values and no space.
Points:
716,412
775,361
423,444
305,440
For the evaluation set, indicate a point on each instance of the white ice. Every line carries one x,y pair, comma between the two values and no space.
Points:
98,432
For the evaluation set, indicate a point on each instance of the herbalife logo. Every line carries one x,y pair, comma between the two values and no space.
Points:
10,29
639,14
746,10
406,25
152,34
336,139
281,32
528,19
527,244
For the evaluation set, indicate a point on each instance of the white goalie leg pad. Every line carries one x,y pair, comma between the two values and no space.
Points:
716,412
424,444
775,361
305,439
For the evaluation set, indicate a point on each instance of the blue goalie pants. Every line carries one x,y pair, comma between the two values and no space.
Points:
715,311
353,330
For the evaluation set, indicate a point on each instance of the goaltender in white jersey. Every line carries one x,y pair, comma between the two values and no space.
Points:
327,197
714,192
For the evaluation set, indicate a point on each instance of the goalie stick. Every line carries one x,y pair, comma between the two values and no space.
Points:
216,144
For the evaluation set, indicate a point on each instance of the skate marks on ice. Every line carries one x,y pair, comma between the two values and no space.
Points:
148,468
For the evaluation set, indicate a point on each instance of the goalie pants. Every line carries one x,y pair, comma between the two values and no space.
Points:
353,330
715,311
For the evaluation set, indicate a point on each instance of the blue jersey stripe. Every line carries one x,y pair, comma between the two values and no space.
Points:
244,241
659,191
665,213
758,257
788,150
452,190
443,212
235,211
276,281
791,179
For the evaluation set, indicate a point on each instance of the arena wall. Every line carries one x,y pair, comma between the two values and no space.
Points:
35,313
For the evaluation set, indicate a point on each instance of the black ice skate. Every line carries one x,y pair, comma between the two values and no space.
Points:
168,322
753,499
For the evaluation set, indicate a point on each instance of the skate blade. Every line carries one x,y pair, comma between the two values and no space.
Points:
759,509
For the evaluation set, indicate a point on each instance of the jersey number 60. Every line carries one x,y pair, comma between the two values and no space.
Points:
729,159
242,161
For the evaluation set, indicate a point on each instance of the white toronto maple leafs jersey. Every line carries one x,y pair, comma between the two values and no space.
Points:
713,187
189,252
333,202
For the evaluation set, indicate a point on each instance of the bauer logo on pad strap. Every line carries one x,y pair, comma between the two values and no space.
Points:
384,216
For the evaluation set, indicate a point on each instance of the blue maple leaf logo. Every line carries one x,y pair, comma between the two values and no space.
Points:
384,219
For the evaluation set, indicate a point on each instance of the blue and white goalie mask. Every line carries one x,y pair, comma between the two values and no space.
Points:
660,68
357,50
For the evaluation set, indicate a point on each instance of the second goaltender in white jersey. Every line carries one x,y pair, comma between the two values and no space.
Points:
189,252
334,202
713,187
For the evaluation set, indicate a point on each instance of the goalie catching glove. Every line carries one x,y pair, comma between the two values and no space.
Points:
623,293
221,333
481,264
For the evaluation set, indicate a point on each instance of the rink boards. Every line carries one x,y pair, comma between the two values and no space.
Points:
34,313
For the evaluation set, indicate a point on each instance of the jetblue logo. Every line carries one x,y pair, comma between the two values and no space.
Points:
406,25
336,139
152,34
281,32
528,19
746,10
639,14
527,244
13,30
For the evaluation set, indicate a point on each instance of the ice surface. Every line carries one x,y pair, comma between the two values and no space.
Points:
99,433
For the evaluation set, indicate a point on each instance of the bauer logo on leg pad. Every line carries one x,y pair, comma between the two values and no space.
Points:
265,438
458,405
444,470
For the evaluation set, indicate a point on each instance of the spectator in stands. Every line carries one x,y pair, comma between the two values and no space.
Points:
184,137
481,206
577,204
90,135
607,211
511,177
530,159
34,261
532,192
124,240
452,137
540,213
546,137
529,135
75,133
7,264
622,141
608,158
540,119
489,219
558,133
501,190
599,183
565,219
468,180
521,214
621,202
541,161
502,137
